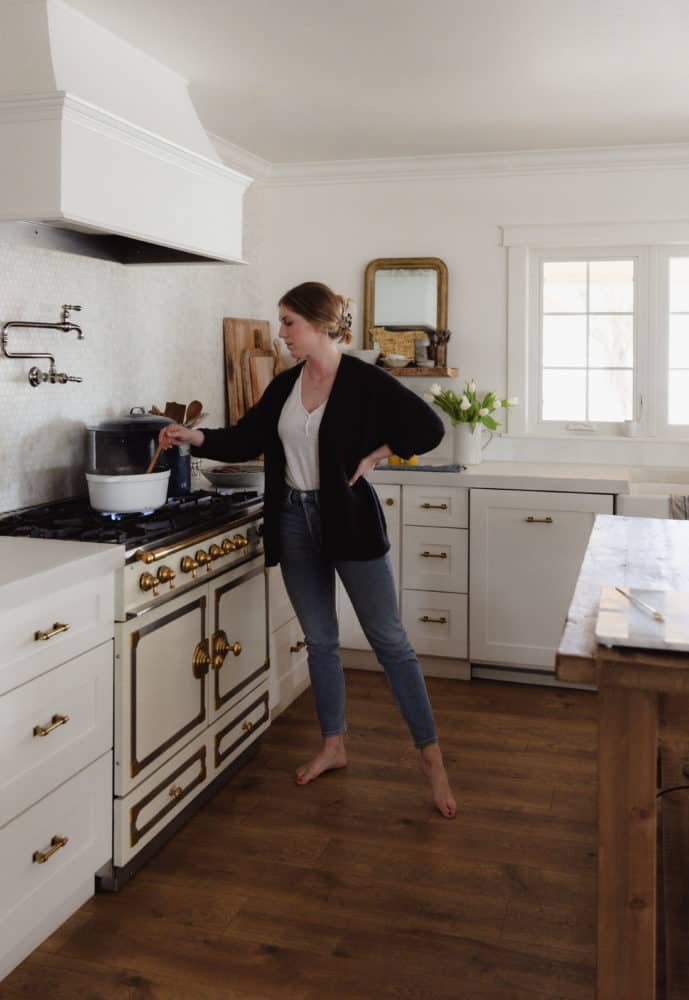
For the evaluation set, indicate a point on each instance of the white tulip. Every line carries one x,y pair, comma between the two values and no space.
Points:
513,401
472,386
435,389
484,411
464,403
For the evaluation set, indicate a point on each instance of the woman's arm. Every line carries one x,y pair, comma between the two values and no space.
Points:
367,463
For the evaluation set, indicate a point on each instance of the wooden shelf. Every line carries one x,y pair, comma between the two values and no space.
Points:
423,372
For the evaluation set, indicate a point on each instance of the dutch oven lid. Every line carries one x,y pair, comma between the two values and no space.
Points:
137,420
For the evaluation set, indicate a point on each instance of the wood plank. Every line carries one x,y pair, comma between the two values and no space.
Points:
675,860
626,844
240,335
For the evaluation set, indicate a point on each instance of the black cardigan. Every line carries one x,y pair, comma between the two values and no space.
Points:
366,408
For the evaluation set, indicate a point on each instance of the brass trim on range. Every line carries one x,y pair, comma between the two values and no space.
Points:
246,730
152,555
175,796
55,722
56,842
57,629
136,766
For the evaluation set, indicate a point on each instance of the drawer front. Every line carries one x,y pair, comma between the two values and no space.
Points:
53,727
443,507
436,623
147,810
87,609
435,559
237,730
288,650
71,829
279,604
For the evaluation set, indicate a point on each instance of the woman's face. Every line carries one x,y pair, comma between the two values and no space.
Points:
300,336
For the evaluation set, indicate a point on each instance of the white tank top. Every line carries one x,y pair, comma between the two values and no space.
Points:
298,431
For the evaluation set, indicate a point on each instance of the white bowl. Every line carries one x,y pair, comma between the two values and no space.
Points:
230,477
127,494
396,361
370,355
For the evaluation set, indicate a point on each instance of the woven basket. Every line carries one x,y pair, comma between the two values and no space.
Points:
396,341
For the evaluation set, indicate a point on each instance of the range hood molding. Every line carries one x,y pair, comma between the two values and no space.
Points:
135,195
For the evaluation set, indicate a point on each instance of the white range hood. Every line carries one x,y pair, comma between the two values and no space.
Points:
97,138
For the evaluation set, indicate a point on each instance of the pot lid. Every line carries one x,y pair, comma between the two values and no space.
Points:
137,420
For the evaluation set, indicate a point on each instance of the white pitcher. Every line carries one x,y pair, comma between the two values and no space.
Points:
468,443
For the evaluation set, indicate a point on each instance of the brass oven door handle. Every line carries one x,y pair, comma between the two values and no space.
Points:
538,520
201,660
433,506
221,647
434,555
440,621
55,722
40,857
57,629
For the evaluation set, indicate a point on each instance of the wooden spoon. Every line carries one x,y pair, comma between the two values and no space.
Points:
193,411
153,461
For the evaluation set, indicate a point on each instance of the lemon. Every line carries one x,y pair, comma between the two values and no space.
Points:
396,460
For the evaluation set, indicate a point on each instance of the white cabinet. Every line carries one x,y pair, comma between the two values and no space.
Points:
351,633
288,667
526,549
56,717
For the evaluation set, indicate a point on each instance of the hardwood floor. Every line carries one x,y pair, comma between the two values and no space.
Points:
353,886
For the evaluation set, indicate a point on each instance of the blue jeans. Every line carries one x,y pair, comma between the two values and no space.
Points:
310,581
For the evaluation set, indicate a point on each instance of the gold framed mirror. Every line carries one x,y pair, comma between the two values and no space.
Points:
405,293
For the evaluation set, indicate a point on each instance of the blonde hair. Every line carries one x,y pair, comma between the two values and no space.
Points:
319,305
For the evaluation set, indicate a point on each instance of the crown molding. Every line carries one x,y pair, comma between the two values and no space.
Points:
241,159
424,168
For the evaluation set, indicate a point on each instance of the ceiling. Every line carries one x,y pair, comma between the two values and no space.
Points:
306,80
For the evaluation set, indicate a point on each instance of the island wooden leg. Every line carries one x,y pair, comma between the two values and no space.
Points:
627,751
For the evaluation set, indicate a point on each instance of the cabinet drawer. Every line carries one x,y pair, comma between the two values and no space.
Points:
81,811
444,507
435,559
232,734
147,810
436,623
87,609
288,648
37,750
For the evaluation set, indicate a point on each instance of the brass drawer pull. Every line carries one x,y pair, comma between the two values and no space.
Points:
55,630
434,555
539,520
57,720
40,857
247,726
440,621
299,645
433,506
176,792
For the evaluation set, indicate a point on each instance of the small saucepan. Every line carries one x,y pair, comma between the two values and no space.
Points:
127,494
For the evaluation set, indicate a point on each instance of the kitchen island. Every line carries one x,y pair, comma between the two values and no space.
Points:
633,686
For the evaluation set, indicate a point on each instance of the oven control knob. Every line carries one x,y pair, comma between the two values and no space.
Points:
189,565
228,546
149,582
202,558
240,541
167,575
215,552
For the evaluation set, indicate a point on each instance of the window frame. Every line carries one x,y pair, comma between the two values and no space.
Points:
662,428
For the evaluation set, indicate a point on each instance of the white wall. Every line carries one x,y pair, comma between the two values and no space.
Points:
151,334
329,230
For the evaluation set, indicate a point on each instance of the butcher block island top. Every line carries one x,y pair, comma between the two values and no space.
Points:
637,687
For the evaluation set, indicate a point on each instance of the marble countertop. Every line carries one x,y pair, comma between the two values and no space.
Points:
32,565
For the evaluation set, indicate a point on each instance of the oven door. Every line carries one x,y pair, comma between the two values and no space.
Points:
162,660
239,636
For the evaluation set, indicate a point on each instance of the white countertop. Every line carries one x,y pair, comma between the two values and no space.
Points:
30,564
559,478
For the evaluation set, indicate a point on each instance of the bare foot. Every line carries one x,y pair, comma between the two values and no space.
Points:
331,755
434,770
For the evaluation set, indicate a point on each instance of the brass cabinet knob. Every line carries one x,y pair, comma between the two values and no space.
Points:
297,646
149,582
202,558
240,541
201,660
390,502
221,647
189,565
247,726
176,792
228,545
167,575
215,552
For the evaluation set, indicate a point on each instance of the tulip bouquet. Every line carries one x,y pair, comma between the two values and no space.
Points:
468,408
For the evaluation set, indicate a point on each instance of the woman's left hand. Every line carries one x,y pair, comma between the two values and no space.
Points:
368,462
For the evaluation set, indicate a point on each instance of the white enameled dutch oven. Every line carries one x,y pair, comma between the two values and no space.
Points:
127,494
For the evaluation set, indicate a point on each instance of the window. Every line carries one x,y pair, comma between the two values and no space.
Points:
598,334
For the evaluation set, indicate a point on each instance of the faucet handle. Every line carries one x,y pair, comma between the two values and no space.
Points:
66,310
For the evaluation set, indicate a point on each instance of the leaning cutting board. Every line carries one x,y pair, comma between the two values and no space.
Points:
240,335
258,369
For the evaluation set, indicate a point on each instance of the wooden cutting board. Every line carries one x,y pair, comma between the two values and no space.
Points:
240,335
258,369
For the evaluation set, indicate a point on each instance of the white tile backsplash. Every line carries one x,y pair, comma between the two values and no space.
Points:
151,334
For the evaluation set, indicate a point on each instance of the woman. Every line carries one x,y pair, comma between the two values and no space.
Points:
322,426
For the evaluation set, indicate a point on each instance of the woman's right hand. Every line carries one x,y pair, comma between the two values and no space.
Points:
173,434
